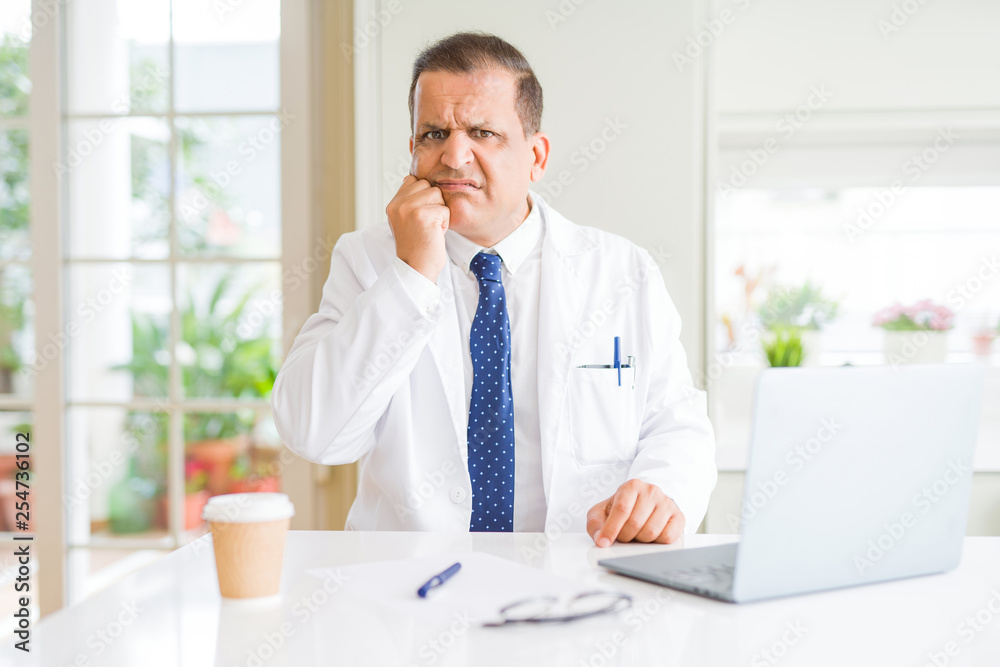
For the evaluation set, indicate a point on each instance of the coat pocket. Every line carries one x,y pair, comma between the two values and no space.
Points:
603,430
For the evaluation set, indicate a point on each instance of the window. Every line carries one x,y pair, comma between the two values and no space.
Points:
172,265
16,288
836,251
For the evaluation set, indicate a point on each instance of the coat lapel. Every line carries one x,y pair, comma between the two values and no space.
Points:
562,296
444,345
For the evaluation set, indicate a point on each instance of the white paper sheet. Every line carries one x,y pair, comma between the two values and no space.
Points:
483,585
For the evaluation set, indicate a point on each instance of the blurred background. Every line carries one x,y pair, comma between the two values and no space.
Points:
819,183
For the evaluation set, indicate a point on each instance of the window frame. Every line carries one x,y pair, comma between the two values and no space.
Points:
46,125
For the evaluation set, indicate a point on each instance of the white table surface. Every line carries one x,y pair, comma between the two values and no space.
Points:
171,614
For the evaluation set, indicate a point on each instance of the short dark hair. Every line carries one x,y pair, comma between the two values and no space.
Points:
467,52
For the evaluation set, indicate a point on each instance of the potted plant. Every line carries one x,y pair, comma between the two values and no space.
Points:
784,348
216,440
915,333
792,318
982,340
217,362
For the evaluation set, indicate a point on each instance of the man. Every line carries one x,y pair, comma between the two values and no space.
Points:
463,352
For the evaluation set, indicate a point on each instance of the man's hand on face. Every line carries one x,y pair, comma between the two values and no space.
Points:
637,511
419,219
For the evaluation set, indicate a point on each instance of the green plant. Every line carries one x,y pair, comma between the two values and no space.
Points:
803,307
148,432
14,196
14,82
23,427
215,359
11,320
225,363
15,286
13,294
130,501
784,348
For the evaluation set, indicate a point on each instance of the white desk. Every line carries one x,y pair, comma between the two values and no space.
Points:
179,619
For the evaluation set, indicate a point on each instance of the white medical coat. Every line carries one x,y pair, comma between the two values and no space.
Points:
374,378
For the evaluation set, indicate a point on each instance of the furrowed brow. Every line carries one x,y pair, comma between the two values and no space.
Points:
430,127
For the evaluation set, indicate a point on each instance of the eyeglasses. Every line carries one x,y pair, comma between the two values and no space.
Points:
546,609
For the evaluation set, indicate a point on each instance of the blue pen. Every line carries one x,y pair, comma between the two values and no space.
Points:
618,358
439,579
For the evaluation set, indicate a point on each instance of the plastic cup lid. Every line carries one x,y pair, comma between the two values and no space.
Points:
248,508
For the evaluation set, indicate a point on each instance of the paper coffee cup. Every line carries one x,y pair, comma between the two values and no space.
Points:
248,533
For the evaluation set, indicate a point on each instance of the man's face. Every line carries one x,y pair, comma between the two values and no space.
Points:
468,141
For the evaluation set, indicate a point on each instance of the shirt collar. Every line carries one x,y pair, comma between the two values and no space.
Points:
513,248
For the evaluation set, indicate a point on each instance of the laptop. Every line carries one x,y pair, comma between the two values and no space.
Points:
856,475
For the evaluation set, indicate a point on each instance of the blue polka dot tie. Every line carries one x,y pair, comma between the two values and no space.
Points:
491,412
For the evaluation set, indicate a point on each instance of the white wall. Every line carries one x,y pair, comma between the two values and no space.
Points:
944,55
891,79
598,63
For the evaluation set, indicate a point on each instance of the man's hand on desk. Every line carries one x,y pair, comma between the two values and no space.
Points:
638,511
419,219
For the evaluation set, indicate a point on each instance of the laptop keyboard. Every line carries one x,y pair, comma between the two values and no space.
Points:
716,575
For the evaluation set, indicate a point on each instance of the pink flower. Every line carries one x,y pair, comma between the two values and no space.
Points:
192,468
942,319
922,315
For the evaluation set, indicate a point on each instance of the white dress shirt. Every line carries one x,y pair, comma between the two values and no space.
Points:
521,256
